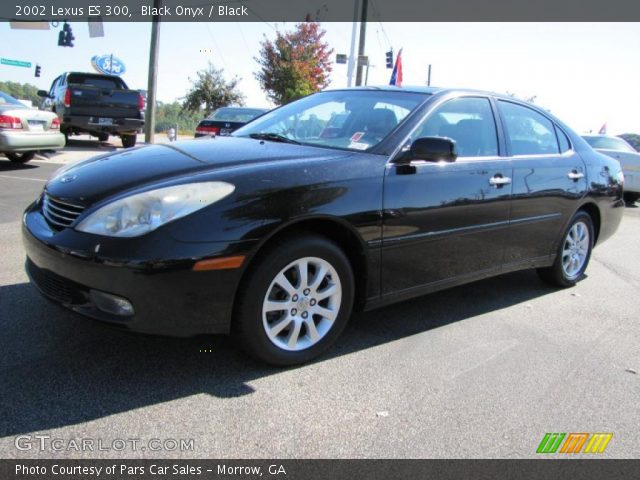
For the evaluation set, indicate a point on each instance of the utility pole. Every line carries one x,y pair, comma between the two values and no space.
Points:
150,114
352,53
363,34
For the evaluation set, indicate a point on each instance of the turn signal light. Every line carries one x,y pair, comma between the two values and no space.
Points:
225,263
55,124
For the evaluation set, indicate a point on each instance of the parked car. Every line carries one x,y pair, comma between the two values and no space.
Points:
100,105
275,234
629,158
225,120
24,131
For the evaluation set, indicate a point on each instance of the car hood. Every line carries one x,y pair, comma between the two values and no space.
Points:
103,176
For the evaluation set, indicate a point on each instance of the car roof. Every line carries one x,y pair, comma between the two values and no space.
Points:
243,108
427,90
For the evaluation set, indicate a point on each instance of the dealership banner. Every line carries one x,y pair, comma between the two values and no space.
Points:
318,10
318,469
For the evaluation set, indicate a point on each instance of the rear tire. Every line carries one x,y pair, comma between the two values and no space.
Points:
311,279
573,255
129,141
630,197
22,157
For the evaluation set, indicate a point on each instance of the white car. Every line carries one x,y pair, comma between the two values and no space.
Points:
628,157
24,131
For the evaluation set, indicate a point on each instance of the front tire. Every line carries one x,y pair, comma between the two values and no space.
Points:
23,157
295,302
103,137
574,253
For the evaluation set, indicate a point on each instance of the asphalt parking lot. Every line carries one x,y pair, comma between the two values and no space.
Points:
483,370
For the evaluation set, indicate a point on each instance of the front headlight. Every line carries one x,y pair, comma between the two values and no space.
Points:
144,212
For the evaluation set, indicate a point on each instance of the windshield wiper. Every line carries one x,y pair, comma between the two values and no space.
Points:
274,137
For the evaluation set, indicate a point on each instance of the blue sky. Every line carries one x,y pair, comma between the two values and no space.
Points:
585,73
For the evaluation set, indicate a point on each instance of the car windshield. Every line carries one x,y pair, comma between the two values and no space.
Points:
243,115
609,143
9,100
344,119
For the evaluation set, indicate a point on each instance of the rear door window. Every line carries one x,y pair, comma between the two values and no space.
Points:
527,131
563,141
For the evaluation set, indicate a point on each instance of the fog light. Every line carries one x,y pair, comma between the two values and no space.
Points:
111,303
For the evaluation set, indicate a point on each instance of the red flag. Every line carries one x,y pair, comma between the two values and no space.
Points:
603,129
396,75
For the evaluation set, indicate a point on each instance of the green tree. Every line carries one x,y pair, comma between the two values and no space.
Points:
632,139
21,91
173,115
295,64
210,90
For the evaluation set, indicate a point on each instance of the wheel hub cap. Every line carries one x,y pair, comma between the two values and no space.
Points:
301,304
575,250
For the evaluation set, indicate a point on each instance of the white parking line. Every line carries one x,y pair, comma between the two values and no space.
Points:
24,178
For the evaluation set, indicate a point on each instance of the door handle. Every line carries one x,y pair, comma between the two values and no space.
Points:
575,175
498,181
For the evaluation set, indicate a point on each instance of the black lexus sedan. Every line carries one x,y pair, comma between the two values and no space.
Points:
277,232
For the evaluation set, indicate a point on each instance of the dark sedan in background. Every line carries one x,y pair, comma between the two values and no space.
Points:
225,120
276,233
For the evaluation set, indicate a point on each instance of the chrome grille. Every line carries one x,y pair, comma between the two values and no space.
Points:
58,213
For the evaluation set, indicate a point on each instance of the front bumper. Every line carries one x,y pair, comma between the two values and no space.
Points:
153,272
30,141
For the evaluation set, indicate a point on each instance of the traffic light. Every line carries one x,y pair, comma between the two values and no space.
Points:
37,70
65,37
389,55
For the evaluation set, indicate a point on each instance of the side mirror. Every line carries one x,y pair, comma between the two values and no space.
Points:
43,93
433,149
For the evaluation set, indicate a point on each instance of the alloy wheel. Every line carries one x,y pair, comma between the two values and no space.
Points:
575,250
302,304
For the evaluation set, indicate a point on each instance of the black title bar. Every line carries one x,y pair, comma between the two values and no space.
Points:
320,10
319,469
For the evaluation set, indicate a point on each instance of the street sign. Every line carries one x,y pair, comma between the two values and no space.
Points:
15,63
341,58
108,64
96,28
363,60
29,25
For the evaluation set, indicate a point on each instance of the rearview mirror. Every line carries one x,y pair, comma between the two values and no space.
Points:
433,149
43,93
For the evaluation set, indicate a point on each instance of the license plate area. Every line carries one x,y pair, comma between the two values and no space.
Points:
101,121
36,125
225,131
